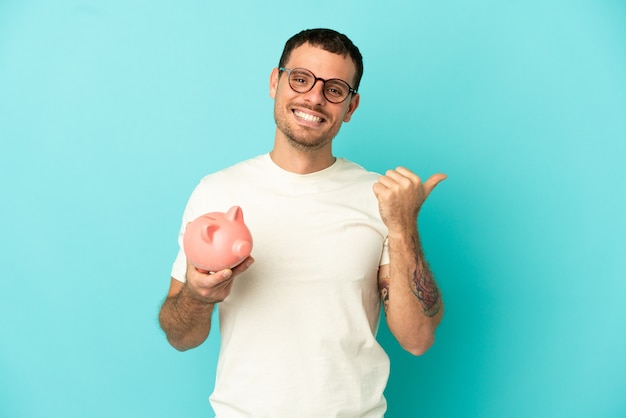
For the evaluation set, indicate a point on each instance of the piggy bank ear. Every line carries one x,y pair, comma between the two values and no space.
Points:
235,214
208,231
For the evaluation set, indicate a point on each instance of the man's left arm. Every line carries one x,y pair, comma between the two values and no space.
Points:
411,298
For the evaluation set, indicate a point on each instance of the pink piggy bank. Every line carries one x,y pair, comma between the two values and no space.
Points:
217,241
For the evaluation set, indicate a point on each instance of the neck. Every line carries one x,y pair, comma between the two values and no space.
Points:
301,161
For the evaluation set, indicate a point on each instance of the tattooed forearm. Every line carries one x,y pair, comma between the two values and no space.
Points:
425,288
383,286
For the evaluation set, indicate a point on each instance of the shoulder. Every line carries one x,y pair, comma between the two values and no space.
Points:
242,169
356,172
216,190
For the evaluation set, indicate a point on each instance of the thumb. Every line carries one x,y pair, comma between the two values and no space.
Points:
433,181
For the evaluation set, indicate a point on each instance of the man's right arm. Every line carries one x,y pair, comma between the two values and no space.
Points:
185,320
185,315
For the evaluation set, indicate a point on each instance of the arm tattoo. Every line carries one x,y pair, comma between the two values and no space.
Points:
383,286
424,287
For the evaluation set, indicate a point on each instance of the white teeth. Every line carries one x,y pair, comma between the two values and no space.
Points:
307,117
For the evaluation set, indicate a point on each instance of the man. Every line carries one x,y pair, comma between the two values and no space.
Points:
331,240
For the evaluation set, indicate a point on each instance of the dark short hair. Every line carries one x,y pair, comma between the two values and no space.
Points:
329,40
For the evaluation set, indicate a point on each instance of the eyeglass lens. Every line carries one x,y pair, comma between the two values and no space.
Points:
302,81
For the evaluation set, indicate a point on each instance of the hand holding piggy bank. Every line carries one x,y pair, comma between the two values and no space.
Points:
216,241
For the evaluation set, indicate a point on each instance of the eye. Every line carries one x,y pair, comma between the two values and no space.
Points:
300,78
336,89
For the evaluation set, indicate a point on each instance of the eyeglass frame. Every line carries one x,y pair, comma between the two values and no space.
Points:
316,79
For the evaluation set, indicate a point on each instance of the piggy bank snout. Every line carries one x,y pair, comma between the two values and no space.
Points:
242,248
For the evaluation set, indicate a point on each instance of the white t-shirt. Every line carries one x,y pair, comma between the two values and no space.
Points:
298,328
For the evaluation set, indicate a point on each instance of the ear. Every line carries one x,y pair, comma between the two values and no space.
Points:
234,214
354,103
208,231
274,82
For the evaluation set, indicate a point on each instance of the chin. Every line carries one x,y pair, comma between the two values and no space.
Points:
304,145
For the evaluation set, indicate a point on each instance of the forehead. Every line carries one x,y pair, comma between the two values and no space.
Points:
322,63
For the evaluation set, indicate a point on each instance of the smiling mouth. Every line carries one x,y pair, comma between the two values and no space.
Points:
307,117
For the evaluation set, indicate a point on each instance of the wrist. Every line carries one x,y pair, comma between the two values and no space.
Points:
194,298
406,234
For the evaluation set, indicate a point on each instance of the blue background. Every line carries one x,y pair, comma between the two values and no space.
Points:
111,111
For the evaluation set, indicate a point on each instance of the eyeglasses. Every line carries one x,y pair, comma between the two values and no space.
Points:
301,80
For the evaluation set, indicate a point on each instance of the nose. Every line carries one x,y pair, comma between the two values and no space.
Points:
316,94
